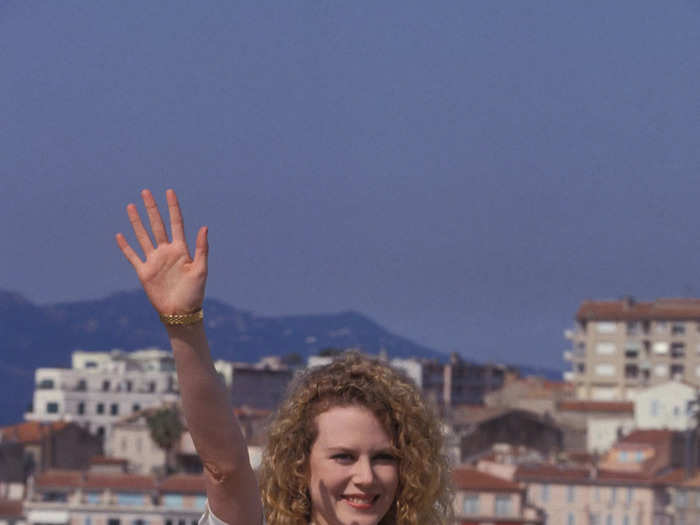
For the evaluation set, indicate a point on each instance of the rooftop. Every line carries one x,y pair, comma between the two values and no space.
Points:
671,309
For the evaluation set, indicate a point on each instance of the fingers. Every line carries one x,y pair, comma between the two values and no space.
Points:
201,250
128,252
140,232
177,226
157,226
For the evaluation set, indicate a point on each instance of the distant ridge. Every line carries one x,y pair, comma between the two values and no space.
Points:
44,336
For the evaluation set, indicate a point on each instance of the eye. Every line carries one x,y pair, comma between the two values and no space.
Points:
343,457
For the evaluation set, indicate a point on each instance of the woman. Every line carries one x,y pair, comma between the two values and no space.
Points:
353,443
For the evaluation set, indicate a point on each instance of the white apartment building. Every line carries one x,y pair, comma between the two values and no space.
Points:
101,388
621,347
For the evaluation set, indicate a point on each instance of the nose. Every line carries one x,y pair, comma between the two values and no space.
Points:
363,474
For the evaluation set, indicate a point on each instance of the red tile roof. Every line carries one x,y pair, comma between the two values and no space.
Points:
650,437
624,407
104,460
673,309
30,431
184,483
59,478
475,480
10,508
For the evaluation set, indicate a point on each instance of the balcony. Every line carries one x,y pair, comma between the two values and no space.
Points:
574,355
570,376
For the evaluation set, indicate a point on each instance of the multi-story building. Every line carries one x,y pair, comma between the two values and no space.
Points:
484,499
621,347
74,497
102,387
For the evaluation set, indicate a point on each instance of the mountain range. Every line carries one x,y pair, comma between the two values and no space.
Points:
34,336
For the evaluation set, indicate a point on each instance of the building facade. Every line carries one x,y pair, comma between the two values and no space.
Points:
102,387
622,347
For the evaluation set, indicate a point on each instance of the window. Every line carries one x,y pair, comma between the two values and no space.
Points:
609,520
105,386
605,348
570,493
81,386
93,498
605,327
622,456
625,520
502,505
87,520
677,350
129,498
632,328
470,504
135,407
172,501
681,498
596,493
100,408
128,385
113,521
52,407
114,409
594,519
45,384
660,326
630,493
139,522
605,369
613,495
81,408
678,328
545,493
570,519
152,386
677,370
660,347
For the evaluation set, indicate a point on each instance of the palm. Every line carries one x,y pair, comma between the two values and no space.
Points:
172,280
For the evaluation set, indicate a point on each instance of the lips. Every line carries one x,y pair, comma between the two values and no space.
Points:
360,501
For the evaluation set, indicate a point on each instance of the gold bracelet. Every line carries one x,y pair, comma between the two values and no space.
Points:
182,319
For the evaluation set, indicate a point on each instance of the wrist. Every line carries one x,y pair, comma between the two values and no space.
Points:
183,319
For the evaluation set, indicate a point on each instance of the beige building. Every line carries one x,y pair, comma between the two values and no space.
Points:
621,347
668,405
485,499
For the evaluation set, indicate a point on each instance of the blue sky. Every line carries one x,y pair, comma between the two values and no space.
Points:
463,172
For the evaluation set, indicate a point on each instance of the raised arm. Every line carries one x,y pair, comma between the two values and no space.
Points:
175,284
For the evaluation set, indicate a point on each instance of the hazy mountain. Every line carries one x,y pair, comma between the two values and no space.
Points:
44,336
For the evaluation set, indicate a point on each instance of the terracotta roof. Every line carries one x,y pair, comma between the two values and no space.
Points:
673,309
10,508
30,431
544,471
651,437
588,476
128,482
475,480
625,407
184,483
59,478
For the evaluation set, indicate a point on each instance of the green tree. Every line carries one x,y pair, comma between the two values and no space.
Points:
165,427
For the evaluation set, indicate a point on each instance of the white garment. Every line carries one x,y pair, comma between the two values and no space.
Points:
209,518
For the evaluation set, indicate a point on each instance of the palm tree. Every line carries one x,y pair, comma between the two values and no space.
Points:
166,428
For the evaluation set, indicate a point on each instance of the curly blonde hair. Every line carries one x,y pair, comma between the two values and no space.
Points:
423,496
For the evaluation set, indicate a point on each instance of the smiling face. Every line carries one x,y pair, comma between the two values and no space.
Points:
353,473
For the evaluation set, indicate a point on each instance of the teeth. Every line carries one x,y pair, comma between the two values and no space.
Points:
360,499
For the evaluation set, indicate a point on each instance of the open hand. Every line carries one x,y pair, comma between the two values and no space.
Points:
172,280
